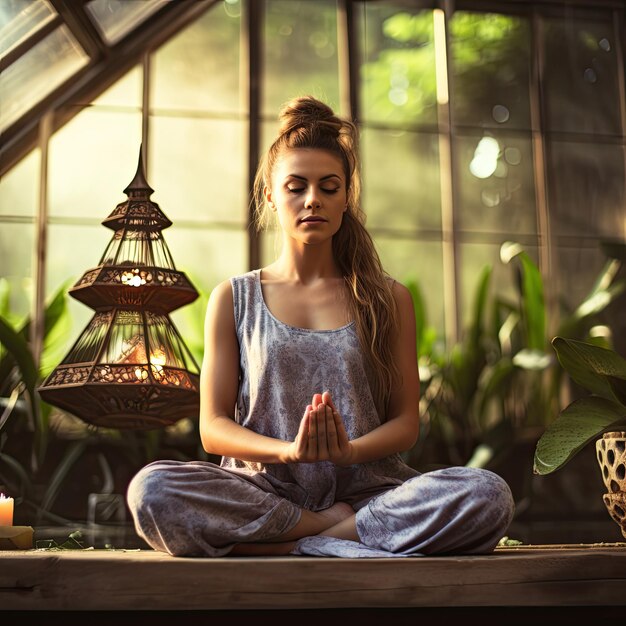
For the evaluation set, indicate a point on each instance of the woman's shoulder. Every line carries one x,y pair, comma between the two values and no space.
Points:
245,277
396,286
235,294
401,293
226,286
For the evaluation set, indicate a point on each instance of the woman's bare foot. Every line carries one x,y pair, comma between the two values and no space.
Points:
345,529
311,523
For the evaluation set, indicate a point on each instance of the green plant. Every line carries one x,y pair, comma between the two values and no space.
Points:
502,376
602,373
19,374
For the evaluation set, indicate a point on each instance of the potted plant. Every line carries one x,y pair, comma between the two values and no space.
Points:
599,415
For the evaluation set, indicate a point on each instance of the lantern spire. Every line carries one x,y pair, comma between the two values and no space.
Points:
139,184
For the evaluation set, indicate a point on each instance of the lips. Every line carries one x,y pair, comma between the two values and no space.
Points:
313,219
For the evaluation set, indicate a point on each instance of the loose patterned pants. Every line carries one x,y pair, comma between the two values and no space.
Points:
200,509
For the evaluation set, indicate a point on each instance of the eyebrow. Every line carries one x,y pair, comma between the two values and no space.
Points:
323,178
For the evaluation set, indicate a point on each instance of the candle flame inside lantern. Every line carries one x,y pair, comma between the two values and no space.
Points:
157,360
133,278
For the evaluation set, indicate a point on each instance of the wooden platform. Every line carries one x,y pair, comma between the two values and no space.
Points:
118,580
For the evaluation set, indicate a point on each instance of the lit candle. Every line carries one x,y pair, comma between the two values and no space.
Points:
158,359
6,511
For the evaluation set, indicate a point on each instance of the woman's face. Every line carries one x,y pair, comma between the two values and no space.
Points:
308,193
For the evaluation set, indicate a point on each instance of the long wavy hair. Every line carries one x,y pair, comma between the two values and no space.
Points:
308,123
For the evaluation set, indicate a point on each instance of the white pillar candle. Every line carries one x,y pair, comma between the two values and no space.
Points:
6,511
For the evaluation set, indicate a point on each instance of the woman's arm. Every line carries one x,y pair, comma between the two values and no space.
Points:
219,383
401,428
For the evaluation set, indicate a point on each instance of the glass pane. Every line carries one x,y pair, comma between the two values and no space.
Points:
19,20
269,132
197,168
496,184
586,189
270,245
92,160
300,53
16,251
398,64
422,262
116,18
19,187
72,250
199,68
38,72
490,67
126,92
580,82
401,187
207,257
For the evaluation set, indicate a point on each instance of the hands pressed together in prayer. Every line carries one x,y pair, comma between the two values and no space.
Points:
322,435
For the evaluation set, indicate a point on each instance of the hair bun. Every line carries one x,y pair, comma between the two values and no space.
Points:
307,112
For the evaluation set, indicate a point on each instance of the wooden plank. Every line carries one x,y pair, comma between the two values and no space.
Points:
147,580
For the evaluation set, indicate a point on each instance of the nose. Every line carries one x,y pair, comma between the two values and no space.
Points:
312,200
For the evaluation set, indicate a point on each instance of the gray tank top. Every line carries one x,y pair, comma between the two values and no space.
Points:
281,367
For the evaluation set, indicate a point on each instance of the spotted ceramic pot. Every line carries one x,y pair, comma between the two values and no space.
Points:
611,451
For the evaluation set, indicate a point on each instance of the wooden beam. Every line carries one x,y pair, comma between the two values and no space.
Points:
95,580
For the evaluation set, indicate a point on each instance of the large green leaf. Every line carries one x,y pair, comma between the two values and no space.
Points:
578,424
4,297
534,305
618,387
18,350
590,365
480,305
55,310
468,359
532,299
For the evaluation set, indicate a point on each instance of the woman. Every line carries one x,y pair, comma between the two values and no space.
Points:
310,391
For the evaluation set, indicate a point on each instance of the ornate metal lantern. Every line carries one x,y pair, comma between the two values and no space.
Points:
130,368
